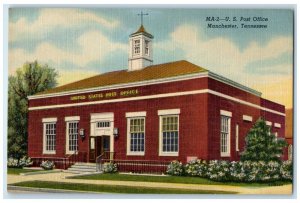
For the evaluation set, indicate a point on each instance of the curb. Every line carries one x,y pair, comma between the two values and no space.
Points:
11,188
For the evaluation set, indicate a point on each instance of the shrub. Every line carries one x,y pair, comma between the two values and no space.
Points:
175,168
110,167
47,165
286,170
218,170
196,167
237,171
247,171
15,163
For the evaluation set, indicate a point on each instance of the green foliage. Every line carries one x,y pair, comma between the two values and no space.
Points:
262,144
110,167
28,80
175,168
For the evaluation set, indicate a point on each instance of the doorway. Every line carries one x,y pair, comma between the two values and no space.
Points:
98,145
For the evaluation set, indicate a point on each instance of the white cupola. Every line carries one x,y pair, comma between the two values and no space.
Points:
140,50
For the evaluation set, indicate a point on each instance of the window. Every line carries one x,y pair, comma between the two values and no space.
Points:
237,138
169,134
290,152
136,46
136,136
49,138
146,47
225,135
72,130
103,124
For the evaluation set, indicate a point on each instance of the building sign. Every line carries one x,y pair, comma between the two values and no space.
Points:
107,95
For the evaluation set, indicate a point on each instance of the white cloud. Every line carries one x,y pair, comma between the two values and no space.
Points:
223,57
51,18
93,46
220,54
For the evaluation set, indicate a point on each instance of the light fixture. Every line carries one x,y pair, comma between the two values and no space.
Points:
116,132
81,133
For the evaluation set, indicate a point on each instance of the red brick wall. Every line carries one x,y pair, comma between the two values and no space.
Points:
199,120
192,125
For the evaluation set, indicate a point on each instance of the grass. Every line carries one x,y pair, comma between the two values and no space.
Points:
114,188
169,179
17,171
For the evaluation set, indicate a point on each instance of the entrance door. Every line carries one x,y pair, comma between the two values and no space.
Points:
99,145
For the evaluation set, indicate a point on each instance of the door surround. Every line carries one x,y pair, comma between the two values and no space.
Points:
98,130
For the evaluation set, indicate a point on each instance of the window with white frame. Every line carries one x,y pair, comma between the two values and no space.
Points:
169,133
136,136
147,47
136,46
237,138
103,124
225,134
49,137
290,152
72,129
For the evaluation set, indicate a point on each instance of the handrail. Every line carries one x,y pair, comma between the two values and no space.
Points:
100,158
98,162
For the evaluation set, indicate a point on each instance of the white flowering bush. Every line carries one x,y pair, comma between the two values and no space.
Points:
196,167
240,171
110,167
286,170
218,170
175,168
15,163
47,165
237,171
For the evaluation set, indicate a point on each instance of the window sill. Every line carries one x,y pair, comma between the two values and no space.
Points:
135,154
225,155
49,152
168,154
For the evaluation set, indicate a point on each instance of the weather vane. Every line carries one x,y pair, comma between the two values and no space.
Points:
142,14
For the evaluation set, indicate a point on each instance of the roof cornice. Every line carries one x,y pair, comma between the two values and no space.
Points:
151,82
233,83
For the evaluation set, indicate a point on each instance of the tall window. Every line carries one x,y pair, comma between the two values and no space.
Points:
225,135
50,137
146,47
73,135
170,133
136,46
136,135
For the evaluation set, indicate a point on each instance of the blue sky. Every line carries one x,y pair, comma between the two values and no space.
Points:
88,41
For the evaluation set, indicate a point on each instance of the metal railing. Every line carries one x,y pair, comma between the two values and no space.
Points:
62,162
106,155
140,166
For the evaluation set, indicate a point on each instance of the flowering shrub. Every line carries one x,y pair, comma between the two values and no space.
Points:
218,170
175,168
15,163
247,171
286,170
47,165
110,167
196,168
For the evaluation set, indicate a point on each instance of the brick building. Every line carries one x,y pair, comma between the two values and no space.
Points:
164,112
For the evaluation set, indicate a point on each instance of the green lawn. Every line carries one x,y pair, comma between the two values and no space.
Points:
114,188
17,171
168,179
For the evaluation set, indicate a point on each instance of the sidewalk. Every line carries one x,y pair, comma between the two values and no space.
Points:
62,177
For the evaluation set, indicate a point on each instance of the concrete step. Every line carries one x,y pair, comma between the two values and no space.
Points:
81,170
83,167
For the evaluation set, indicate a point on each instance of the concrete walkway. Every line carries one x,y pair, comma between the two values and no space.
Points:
62,177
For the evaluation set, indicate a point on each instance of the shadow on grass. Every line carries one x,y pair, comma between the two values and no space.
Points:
114,188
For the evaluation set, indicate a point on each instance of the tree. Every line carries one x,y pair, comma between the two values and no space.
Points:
30,79
262,144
